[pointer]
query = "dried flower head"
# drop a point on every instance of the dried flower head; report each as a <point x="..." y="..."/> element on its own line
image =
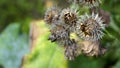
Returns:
<point x="92" y="48"/>
<point x="59" y="35"/>
<point x="104" y="14"/>
<point x="52" y="15"/>
<point x="69" y="18"/>
<point x="90" y="27"/>
<point x="89" y="3"/>
<point x="71" y="49"/>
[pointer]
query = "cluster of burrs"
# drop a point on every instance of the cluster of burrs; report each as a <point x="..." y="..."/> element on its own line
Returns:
<point x="88" y="28"/>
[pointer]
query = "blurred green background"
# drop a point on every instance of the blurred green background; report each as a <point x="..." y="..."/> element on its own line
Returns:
<point x="24" y="44"/>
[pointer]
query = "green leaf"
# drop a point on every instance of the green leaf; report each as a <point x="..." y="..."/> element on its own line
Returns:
<point x="45" y="53"/>
<point x="12" y="46"/>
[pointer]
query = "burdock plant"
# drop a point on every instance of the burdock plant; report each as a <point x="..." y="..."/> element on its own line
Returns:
<point x="87" y="27"/>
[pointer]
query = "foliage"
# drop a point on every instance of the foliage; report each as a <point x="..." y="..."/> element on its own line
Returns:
<point x="45" y="54"/>
<point x="12" y="46"/>
<point x="19" y="10"/>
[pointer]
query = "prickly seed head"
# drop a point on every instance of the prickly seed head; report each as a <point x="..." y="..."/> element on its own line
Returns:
<point x="59" y="35"/>
<point x="92" y="48"/>
<point x="69" y="19"/>
<point x="90" y="27"/>
<point x="52" y="15"/>
<point x="71" y="50"/>
<point x="88" y="3"/>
